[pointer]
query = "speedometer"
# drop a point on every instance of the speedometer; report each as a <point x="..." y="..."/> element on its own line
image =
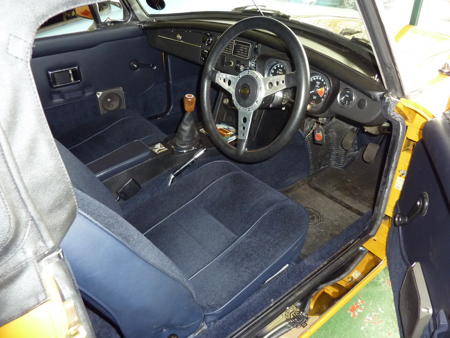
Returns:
<point x="319" y="87"/>
<point x="277" y="69"/>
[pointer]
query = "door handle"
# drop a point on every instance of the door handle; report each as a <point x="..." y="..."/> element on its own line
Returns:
<point x="419" y="208"/>
<point x="65" y="76"/>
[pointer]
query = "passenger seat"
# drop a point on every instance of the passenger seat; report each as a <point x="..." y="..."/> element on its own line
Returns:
<point x="109" y="133"/>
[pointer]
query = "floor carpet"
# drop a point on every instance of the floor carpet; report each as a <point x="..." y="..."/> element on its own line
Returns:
<point x="334" y="199"/>
<point x="327" y="218"/>
<point x="102" y="328"/>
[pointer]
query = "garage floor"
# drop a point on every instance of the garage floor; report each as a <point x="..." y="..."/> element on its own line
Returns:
<point x="370" y="313"/>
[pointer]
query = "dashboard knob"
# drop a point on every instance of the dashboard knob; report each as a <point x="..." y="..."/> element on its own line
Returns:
<point x="207" y="39"/>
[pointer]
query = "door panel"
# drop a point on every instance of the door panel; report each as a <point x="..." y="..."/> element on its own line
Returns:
<point x="426" y="238"/>
<point x="103" y="58"/>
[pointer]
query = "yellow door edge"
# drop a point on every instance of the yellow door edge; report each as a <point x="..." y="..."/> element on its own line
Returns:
<point x="415" y="117"/>
<point x="344" y="300"/>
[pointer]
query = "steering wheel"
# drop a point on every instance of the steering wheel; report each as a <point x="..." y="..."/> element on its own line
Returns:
<point x="249" y="88"/>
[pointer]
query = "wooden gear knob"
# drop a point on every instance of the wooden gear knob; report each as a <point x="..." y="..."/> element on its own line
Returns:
<point x="189" y="103"/>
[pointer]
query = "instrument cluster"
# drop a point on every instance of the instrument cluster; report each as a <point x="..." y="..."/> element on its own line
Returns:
<point x="321" y="87"/>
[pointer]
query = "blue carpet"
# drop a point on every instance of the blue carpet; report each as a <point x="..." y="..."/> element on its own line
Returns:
<point x="285" y="168"/>
<point x="290" y="165"/>
<point x="102" y="328"/>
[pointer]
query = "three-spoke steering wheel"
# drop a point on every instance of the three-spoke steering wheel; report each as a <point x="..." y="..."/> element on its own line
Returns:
<point x="249" y="88"/>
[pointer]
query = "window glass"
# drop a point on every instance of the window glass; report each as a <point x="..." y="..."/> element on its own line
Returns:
<point x="339" y="16"/>
<point x="72" y="21"/>
<point x="420" y="39"/>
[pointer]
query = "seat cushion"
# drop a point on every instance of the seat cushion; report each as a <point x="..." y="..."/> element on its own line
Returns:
<point x="225" y="230"/>
<point x="109" y="133"/>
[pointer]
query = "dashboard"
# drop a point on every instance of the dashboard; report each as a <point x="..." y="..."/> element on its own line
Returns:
<point x="335" y="89"/>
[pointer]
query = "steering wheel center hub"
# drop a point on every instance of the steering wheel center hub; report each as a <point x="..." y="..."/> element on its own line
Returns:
<point x="249" y="90"/>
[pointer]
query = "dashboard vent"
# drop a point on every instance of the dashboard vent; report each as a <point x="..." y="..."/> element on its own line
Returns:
<point x="229" y="48"/>
<point x="238" y="48"/>
<point x="242" y="49"/>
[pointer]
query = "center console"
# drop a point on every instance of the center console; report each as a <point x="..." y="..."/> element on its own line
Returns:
<point x="126" y="169"/>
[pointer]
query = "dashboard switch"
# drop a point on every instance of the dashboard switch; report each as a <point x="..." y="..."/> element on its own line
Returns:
<point x="204" y="55"/>
<point x="319" y="135"/>
<point x="229" y="63"/>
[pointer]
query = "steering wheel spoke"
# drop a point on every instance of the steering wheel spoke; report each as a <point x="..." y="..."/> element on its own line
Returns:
<point x="241" y="146"/>
<point x="273" y="84"/>
<point x="224" y="80"/>
<point x="245" y="117"/>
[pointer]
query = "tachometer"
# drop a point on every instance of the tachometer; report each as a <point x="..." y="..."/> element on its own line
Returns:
<point x="319" y="87"/>
<point x="277" y="69"/>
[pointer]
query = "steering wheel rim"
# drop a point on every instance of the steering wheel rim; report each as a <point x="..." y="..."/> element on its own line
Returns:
<point x="264" y="86"/>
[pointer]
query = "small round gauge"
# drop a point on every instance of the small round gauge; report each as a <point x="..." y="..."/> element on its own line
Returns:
<point x="346" y="97"/>
<point x="277" y="69"/>
<point x="319" y="87"/>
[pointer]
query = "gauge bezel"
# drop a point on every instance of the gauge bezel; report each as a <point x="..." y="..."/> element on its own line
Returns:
<point x="270" y="63"/>
<point x="281" y="65"/>
<point x="352" y="102"/>
<point x="327" y="81"/>
<point x="317" y="110"/>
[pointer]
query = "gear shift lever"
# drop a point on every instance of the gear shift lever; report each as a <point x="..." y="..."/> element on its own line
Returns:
<point x="189" y="101"/>
<point x="187" y="137"/>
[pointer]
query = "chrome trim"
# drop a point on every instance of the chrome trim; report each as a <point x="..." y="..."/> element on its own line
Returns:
<point x="179" y="41"/>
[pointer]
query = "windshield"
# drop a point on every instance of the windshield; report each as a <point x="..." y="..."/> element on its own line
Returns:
<point x="420" y="41"/>
<point x="339" y="16"/>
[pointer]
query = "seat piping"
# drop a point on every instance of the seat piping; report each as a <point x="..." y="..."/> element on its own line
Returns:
<point x="100" y="131"/>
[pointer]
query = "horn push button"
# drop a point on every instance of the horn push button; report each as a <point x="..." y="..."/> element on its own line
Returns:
<point x="246" y="91"/>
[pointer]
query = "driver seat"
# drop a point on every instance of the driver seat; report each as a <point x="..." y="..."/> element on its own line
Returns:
<point x="173" y="258"/>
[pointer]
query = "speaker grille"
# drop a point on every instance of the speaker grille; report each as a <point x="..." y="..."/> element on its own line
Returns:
<point x="111" y="100"/>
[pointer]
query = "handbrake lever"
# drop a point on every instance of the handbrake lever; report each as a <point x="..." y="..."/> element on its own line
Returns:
<point x="184" y="166"/>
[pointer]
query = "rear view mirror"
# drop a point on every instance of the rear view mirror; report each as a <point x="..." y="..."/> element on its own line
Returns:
<point x="84" y="12"/>
<point x="116" y="3"/>
<point x="156" y="4"/>
<point x="102" y="12"/>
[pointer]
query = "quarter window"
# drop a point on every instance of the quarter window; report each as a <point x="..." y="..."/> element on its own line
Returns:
<point x="84" y="18"/>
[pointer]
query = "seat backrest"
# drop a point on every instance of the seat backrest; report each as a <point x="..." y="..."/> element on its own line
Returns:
<point x="119" y="271"/>
<point x="84" y="180"/>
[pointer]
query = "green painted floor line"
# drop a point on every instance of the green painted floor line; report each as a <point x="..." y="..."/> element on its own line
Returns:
<point x="371" y="313"/>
